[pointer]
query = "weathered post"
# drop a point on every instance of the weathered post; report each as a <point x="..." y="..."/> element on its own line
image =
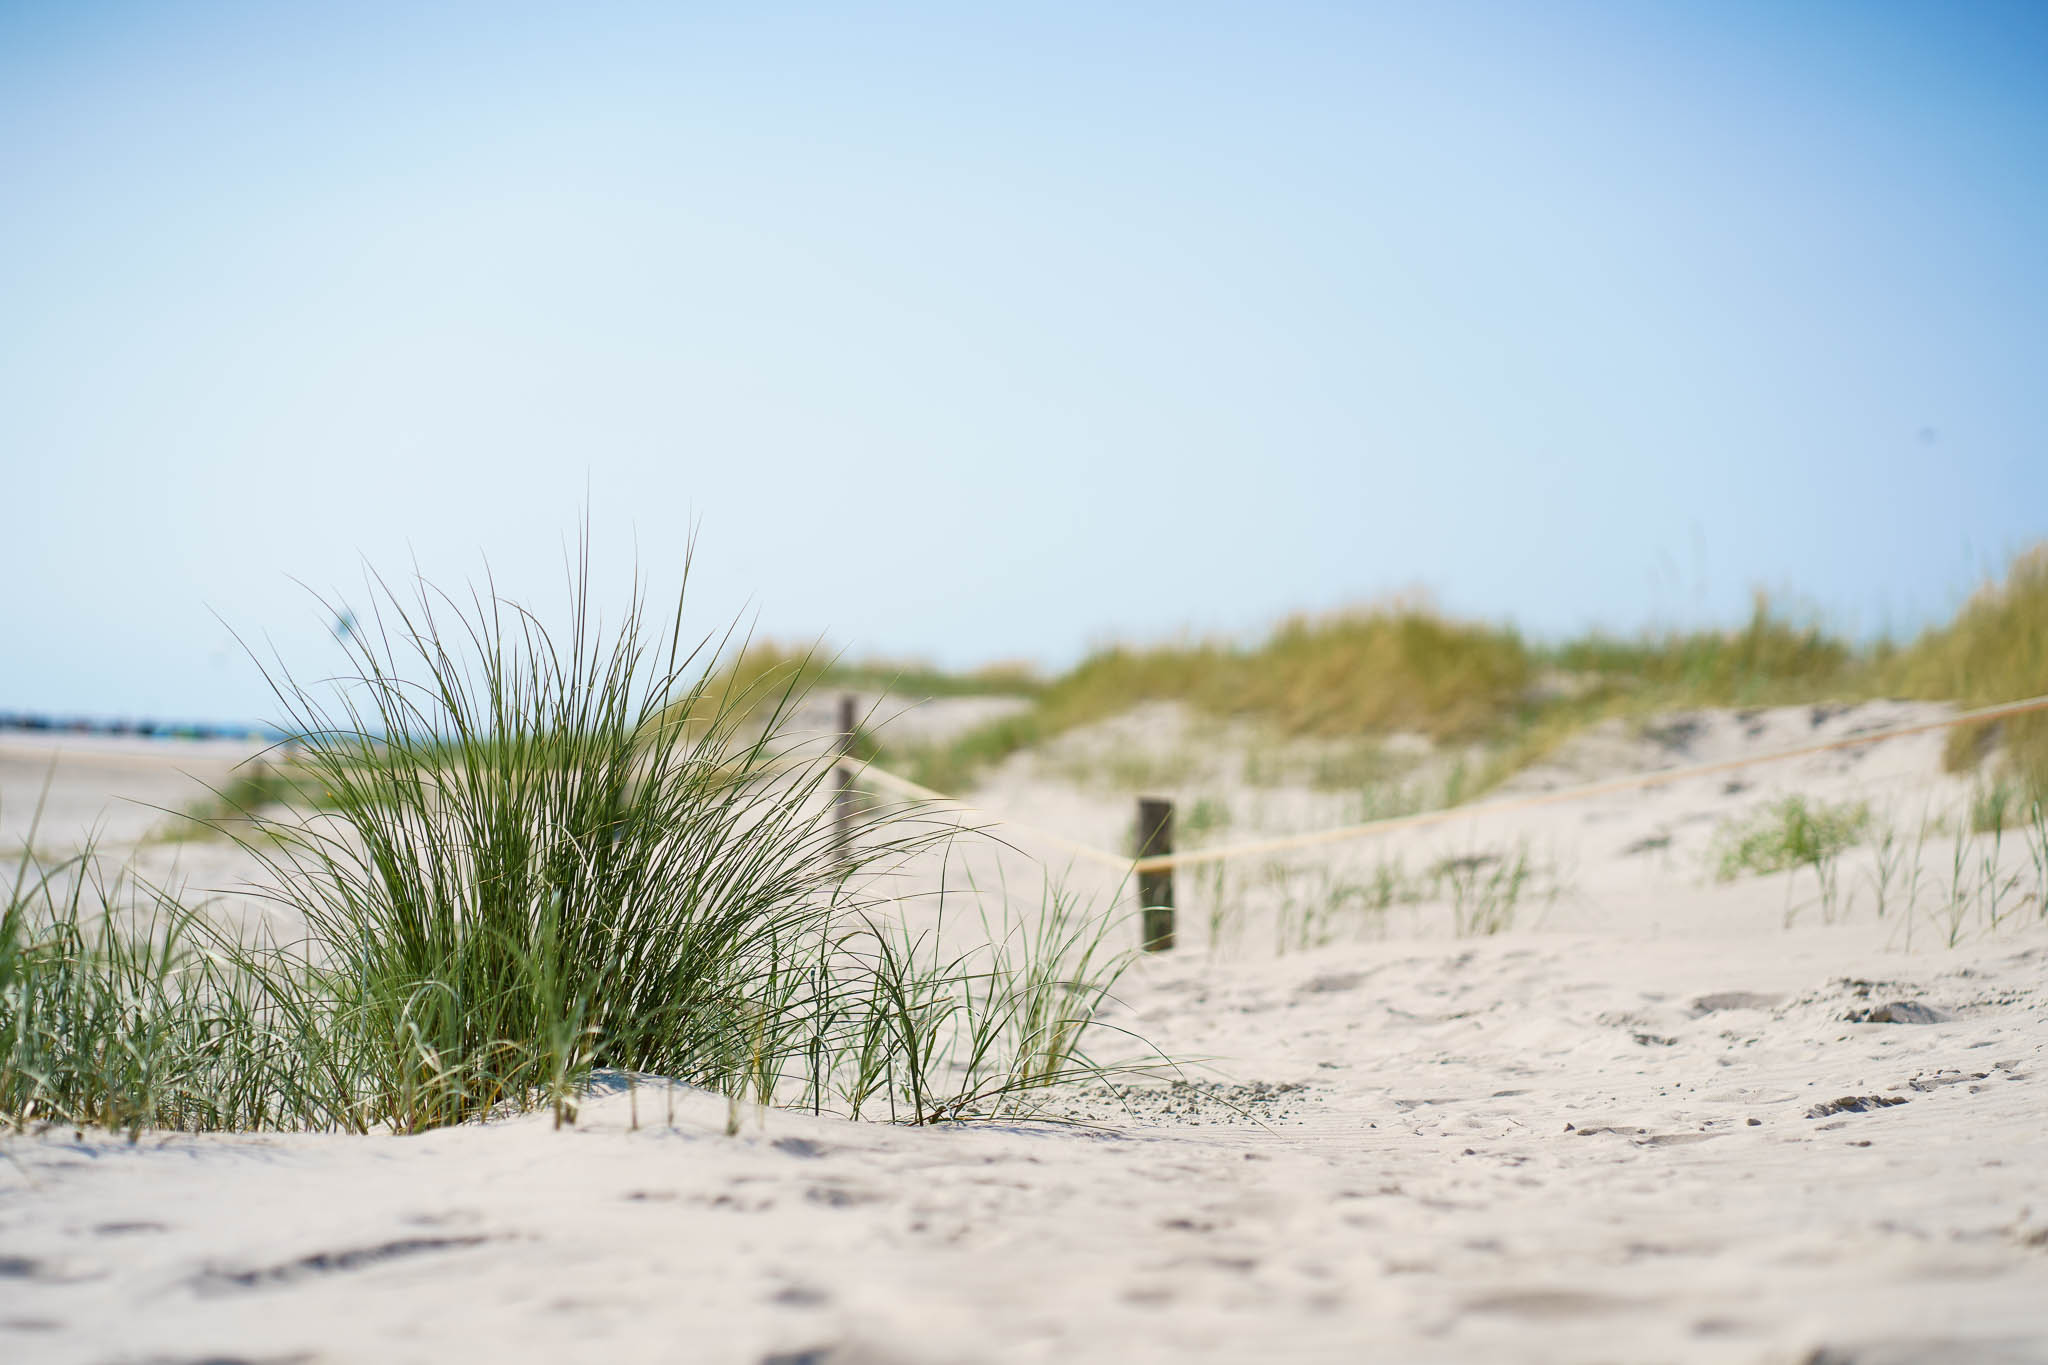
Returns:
<point x="1155" y="889"/>
<point x="842" y="795"/>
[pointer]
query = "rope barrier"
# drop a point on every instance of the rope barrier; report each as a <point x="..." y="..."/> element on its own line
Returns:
<point x="912" y="789"/>
<point x="1342" y="834"/>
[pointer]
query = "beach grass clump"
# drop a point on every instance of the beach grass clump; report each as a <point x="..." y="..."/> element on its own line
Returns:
<point x="1400" y="666"/>
<point x="946" y="1037"/>
<point x="1994" y="650"/>
<point x="1795" y="834"/>
<point x="526" y="868"/>
<point x="1999" y="804"/>
<point x="1487" y="889"/>
<point x="1790" y="833"/>
<point x="1771" y="658"/>
<point x="521" y="867"/>
<point x="110" y="1017"/>
<point x="1403" y="667"/>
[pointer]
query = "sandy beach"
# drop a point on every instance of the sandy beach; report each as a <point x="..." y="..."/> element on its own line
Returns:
<point x="879" y="684"/>
<point x="1647" y="1121"/>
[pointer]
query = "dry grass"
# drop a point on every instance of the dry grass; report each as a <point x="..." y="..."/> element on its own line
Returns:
<point x="1404" y="666"/>
<point x="1400" y="667"/>
<point x="1771" y="659"/>
<point x="763" y="668"/>
<point x="1996" y="649"/>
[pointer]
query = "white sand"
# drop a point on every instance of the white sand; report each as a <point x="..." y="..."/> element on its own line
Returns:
<point x="1585" y="1139"/>
<point x="121" y="788"/>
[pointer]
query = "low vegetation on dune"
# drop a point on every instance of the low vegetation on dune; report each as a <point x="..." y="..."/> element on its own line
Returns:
<point x="1772" y="658"/>
<point x="1789" y="833"/>
<point x="761" y="667"/>
<point x="1405" y="667"/>
<point x="504" y="867"/>
<point x="1996" y="649"/>
<point x="1972" y="869"/>
<point x="1398" y="668"/>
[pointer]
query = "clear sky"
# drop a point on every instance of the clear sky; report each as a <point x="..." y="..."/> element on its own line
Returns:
<point x="978" y="332"/>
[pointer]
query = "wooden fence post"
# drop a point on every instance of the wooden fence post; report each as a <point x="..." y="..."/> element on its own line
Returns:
<point x="1155" y="889"/>
<point x="842" y="795"/>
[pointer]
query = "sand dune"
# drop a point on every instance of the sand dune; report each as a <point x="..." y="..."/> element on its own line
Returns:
<point x="1646" y="1122"/>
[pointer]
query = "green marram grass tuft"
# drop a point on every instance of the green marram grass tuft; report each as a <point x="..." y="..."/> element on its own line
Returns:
<point x="1787" y="834"/>
<point x="507" y="859"/>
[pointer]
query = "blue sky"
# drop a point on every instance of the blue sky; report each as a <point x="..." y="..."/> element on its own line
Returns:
<point x="992" y="332"/>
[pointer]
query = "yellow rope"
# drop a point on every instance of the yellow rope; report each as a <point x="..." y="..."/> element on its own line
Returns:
<point x="1167" y="861"/>
<point x="1162" y="862"/>
<point x="912" y="789"/>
